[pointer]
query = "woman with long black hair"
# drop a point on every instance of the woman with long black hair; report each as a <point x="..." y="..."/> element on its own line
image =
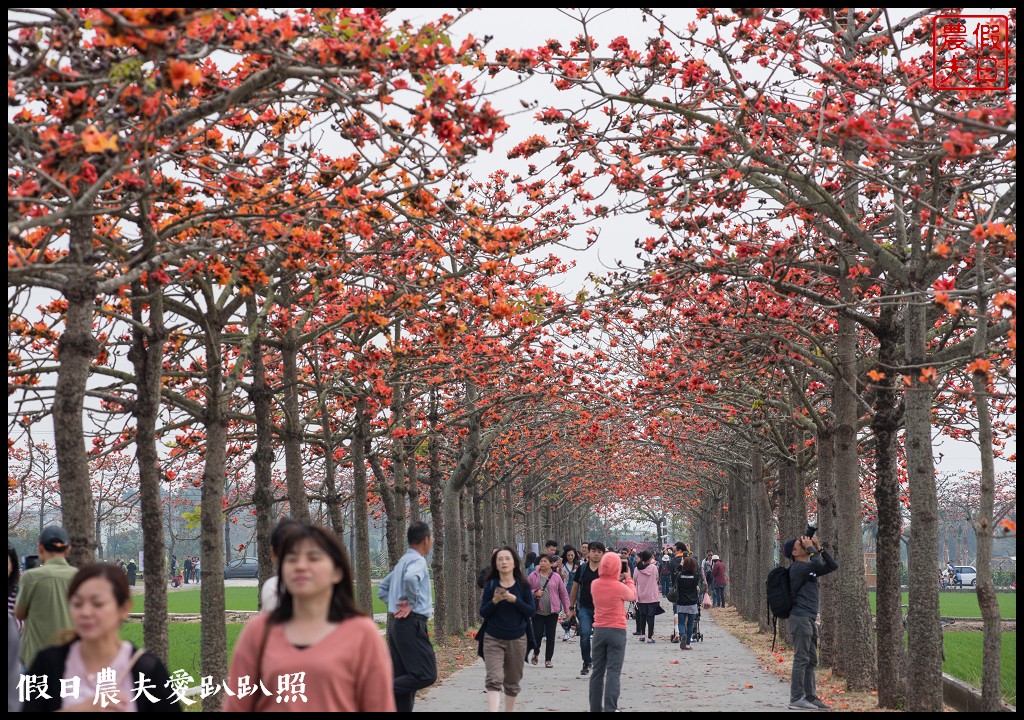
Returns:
<point x="506" y="634"/>
<point x="317" y="634"/>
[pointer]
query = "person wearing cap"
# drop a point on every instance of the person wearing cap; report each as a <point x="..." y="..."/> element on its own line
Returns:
<point x="42" y="600"/>
<point x="809" y="563"/>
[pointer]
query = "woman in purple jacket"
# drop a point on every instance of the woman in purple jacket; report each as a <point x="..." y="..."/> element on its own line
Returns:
<point x="550" y="597"/>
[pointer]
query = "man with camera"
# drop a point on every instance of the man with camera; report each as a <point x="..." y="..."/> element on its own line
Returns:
<point x="809" y="563"/>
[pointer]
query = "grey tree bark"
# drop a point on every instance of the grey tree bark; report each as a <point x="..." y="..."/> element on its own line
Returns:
<point x="885" y="425"/>
<point x="985" y="522"/>
<point x="76" y="349"/>
<point x="214" y="642"/>
<point x="858" y="657"/>
<point x="298" y="504"/>
<point x="924" y="676"/>
<point x="261" y="396"/>
<point x="146" y="355"/>
<point x="360" y="512"/>
<point x="830" y="645"/>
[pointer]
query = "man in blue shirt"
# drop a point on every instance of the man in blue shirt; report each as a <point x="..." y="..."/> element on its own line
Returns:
<point x="410" y="604"/>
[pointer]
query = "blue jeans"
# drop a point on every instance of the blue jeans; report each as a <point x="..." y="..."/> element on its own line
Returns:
<point x="686" y="624"/>
<point x="666" y="584"/>
<point x="719" y="596"/>
<point x="586" y="618"/>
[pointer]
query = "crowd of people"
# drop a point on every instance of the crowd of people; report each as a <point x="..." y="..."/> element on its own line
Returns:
<point x="312" y="639"/>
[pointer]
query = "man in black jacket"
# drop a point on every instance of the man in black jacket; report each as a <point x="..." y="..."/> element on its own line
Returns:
<point x="809" y="563"/>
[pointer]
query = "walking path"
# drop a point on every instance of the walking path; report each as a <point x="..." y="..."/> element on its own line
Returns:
<point x="719" y="674"/>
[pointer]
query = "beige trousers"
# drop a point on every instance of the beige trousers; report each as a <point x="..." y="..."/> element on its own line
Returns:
<point x="504" y="662"/>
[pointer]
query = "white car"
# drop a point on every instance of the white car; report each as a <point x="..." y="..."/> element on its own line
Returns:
<point x="964" y="575"/>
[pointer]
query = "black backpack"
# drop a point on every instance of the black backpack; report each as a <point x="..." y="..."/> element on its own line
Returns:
<point x="781" y="597"/>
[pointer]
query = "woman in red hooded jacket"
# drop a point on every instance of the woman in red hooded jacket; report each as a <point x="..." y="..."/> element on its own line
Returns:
<point x="610" y="590"/>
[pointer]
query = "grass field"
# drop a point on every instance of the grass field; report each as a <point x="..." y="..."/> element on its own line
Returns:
<point x="963" y="660"/>
<point x="183" y="643"/>
<point x="235" y="598"/>
<point x="965" y="604"/>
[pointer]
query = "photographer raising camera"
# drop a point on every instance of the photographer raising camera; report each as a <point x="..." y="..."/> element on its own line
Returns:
<point x="809" y="563"/>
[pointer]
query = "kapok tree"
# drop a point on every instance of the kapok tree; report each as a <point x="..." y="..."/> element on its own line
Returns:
<point x="858" y="151"/>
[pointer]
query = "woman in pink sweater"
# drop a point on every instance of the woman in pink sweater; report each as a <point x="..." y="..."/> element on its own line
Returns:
<point x="610" y="590"/>
<point x="317" y="652"/>
<point x="648" y="594"/>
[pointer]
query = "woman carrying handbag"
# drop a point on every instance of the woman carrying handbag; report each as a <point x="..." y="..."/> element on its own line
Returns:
<point x="506" y="633"/>
<point x="551" y="598"/>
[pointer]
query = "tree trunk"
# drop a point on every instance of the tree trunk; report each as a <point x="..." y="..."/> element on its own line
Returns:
<point x="470" y="603"/>
<point x="330" y="470"/>
<point x="263" y="456"/>
<point x="213" y="645"/>
<point x="412" y="477"/>
<point x="453" y="523"/>
<point x="394" y="509"/>
<point x="441" y="586"/>
<point x="75" y="352"/>
<point x="765" y="538"/>
<point x="830" y="640"/>
<point x="885" y="425"/>
<point x="737" y="524"/>
<point x="146" y="356"/>
<point x="393" y="496"/>
<point x="924" y="678"/>
<point x="298" y="505"/>
<point x="984" y="524"/>
<point x="858" y="656"/>
<point x="510" y="514"/>
<point x="360" y="512"/>
<point x="792" y="501"/>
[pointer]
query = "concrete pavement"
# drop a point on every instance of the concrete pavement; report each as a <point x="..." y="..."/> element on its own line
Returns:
<point x="718" y="674"/>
